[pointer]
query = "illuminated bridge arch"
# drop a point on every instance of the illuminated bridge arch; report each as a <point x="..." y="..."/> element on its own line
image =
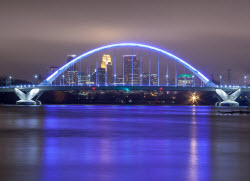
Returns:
<point x="56" y="74"/>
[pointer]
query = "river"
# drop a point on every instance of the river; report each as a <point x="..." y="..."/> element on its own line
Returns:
<point x="119" y="142"/>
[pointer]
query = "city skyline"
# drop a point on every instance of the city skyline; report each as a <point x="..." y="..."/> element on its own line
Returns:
<point x="78" y="75"/>
<point x="71" y="75"/>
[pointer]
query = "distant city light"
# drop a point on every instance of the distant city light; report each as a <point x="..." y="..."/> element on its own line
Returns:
<point x="73" y="55"/>
<point x="126" y="89"/>
<point x="194" y="98"/>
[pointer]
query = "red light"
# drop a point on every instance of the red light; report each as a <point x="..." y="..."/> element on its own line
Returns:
<point x="161" y="89"/>
<point x="93" y="88"/>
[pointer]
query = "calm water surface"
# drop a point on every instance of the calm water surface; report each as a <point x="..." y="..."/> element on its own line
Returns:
<point x="105" y="142"/>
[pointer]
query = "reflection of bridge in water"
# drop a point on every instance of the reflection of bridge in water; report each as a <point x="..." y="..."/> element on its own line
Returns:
<point x="132" y="76"/>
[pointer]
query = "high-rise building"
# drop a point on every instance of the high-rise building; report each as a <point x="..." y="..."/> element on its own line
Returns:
<point x="100" y="76"/>
<point x="106" y="59"/>
<point x="72" y="77"/>
<point x="153" y="79"/>
<point x="72" y="73"/>
<point x="107" y="65"/>
<point x="119" y="80"/>
<point x="131" y="69"/>
<point x="82" y="78"/>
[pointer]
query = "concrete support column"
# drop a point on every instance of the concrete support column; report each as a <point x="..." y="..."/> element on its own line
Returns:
<point x="228" y="100"/>
<point x="26" y="99"/>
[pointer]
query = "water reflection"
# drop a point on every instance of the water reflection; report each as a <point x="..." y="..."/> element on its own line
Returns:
<point x="193" y="162"/>
<point x="107" y="143"/>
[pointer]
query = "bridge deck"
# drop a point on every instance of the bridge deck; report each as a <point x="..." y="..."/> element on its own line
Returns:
<point x="125" y="88"/>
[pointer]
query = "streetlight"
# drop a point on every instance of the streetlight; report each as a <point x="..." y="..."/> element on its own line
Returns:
<point x="63" y="78"/>
<point x="245" y="80"/>
<point x="194" y="98"/>
<point x="220" y="79"/>
<point x="193" y="80"/>
<point x="36" y="79"/>
<point x="10" y="80"/>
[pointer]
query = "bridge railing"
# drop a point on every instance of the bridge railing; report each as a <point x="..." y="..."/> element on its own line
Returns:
<point x="127" y="85"/>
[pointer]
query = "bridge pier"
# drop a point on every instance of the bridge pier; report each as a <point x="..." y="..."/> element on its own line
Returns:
<point x="228" y="100"/>
<point x="26" y="99"/>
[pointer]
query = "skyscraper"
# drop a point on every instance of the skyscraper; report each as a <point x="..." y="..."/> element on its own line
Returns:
<point x="131" y="70"/>
<point x="72" y="73"/>
<point x="119" y="80"/>
<point x="100" y="76"/>
<point x="153" y="79"/>
<point x="107" y="65"/>
<point x="82" y="78"/>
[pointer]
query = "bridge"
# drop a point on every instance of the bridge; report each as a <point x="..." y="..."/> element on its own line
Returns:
<point x="132" y="76"/>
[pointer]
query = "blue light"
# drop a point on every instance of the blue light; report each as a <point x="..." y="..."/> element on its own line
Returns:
<point x="52" y="77"/>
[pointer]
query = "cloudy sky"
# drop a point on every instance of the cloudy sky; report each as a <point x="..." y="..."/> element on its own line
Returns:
<point x="212" y="35"/>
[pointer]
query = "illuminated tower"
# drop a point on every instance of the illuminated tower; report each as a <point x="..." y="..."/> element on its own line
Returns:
<point x="107" y="65"/>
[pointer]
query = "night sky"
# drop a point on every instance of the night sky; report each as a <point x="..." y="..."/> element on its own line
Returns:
<point x="212" y="35"/>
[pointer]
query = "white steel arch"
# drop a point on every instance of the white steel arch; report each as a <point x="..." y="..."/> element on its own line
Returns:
<point x="52" y="77"/>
